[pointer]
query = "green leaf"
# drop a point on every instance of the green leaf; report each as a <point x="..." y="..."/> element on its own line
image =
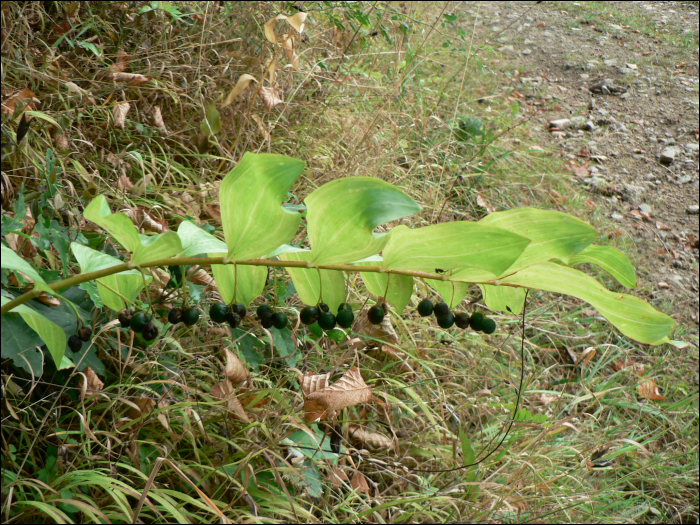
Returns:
<point x="251" y="204"/>
<point x="313" y="446"/>
<point x="497" y="298"/>
<point x="632" y="316"/>
<point x="196" y="241"/>
<point x="452" y="292"/>
<point x="113" y="289"/>
<point x="307" y="283"/>
<point x="21" y="344"/>
<point x="251" y="281"/>
<point x="11" y="261"/>
<point x="342" y="215"/>
<point x="452" y="245"/>
<point x="211" y="124"/>
<point x="468" y="455"/>
<point x="144" y="248"/>
<point x="52" y="334"/>
<point x="554" y="235"/>
<point x="400" y="286"/>
<point x="609" y="259"/>
<point x="284" y="345"/>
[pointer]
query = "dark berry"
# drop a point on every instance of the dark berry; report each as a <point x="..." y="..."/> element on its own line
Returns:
<point x="175" y="315"/>
<point x="75" y="343"/>
<point x="239" y="309"/>
<point x="375" y="314"/>
<point x="190" y="316"/>
<point x="345" y="318"/>
<point x="262" y="310"/>
<point x="268" y="320"/>
<point x="326" y="320"/>
<point x="489" y="326"/>
<point x="233" y="319"/>
<point x="425" y="307"/>
<point x="149" y="332"/>
<point x="441" y="309"/>
<point x="477" y="321"/>
<point x="462" y="320"/>
<point x="344" y="306"/>
<point x="138" y="321"/>
<point x="217" y="312"/>
<point x="446" y="321"/>
<point x="85" y="333"/>
<point x="280" y="320"/>
<point x="308" y="315"/>
<point x="125" y="316"/>
<point x="323" y="307"/>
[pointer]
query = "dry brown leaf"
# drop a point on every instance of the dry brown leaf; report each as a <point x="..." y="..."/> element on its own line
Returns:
<point x="134" y="79"/>
<point x="337" y="476"/>
<point x="401" y="357"/>
<point x="122" y="62"/>
<point x="235" y="370"/>
<point x="288" y="45"/>
<point x="349" y="390"/>
<point x="48" y="300"/>
<point x="61" y="142"/>
<point x="124" y="183"/>
<point x="313" y="382"/>
<point x="261" y="126"/>
<point x="24" y="96"/>
<point x="649" y="390"/>
<point x="384" y="331"/>
<point x="270" y="97"/>
<point x="637" y="368"/>
<point x="359" y="437"/>
<point x="120" y="110"/>
<point x="482" y="202"/>
<point x="224" y="390"/>
<point x="243" y="82"/>
<point x="212" y="211"/>
<point x="202" y="278"/>
<point x="543" y="399"/>
<point x="143" y="219"/>
<point x="586" y="356"/>
<point x="270" y="28"/>
<point x="93" y="382"/>
<point x="359" y="482"/>
<point x="158" y="120"/>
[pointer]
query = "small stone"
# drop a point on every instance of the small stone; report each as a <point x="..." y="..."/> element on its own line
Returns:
<point x="645" y="208"/>
<point x="668" y="154"/>
<point x="615" y="27"/>
<point x="617" y="216"/>
<point x="693" y="209"/>
<point x="685" y="179"/>
<point x="528" y="42"/>
<point x="631" y="66"/>
<point x="526" y="51"/>
<point x="649" y="176"/>
<point x="610" y="62"/>
<point x="693" y="146"/>
<point x="506" y="49"/>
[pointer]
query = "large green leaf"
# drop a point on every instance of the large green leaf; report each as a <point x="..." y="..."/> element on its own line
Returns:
<point x="251" y="197"/>
<point x="113" y="289"/>
<point x="554" y="235"/>
<point x="245" y="282"/>
<point x="52" y="334"/>
<point x="306" y="281"/>
<point x="632" y="316"/>
<point x="144" y="248"/>
<point x="609" y="259"/>
<point x="400" y="286"/>
<point x="452" y="245"/>
<point x="11" y="261"/>
<point x="342" y="215"/>
<point x="500" y="298"/>
<point x="452" y="292"/>
<point x="196" y="241"/>
<point x="211" y="124"/>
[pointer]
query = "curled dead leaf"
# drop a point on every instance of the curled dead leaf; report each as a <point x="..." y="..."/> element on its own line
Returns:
<point x="143" y="219"/>
<point x="134" y="79"/>
<point x="235" y="370"/>
<point x="359" y="482"/>
<point x="119" y="111"/>
<point x="313" y="382"/>
<point x="122" y="62"/>
<point x="202" y="278"/>
<point x="243" y="82"/>
<point x="649" y="390"/>
<point x="25" y="97"/>
<point x="158" y="120"/>
<point x="359" y="438"/>
<point x="224" y="390"/>
<point x="349" y="390"/>
<point x="270" y="97"/>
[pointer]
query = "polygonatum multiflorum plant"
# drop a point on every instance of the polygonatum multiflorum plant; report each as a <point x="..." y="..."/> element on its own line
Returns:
<point x="505" y="253"/>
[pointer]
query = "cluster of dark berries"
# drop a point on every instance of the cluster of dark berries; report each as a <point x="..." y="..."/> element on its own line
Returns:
<point x="376" y="314"/>
<point x="75" y="341"/>
<point x="186" y="316"/>
<point x="269" y="318"/>
<point x="233" y="315"/>
<point x="326" y="320"/>
<point x="140" y="323"/>
<point x="445" y="318"/>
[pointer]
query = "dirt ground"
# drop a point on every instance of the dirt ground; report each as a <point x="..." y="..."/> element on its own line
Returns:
<point x="624" y="78"/>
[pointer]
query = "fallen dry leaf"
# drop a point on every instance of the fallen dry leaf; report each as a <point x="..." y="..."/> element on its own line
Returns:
<point x="120" y="110"/>
<point x="224" y="390"/>
<point x="235" y="370"/>
<point x="270" y="97"/>
<point x="359" y="437"/>
<point x="349" y="390"/>
<point x="649" y="390"/>
<point x="134" y="79"/>
<point x="158" y="120"/>
<point x="359" y="482"/>
<point x="143" y="219"/>
<point x="243" y="82"/>
<point x="384" y="331"/>
<point x="122" y="62"/>
<point x="313" y="382"/>
<point x="24" y="96"/>
<point x="483" y="203"/>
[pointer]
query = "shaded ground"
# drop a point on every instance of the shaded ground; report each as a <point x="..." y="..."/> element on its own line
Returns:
<point x="645" y="55"/>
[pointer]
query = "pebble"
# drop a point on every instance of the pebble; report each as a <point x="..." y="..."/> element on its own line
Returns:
<point x="526" y="52"/>
<point x="668" y="154"/>
<point x="693" y="146"/>
<point x="645" y="208"/>
<point x="693" y="209"/>
<point x="617" y="216"/>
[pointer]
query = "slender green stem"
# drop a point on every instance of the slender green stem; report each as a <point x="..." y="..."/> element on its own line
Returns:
<point x="208" y="261"/>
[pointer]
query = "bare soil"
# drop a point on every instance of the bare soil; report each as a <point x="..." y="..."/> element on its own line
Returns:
<point x="629" y="72"/>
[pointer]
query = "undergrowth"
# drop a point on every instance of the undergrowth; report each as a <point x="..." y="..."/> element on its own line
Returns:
<point x="411" y="93"/>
